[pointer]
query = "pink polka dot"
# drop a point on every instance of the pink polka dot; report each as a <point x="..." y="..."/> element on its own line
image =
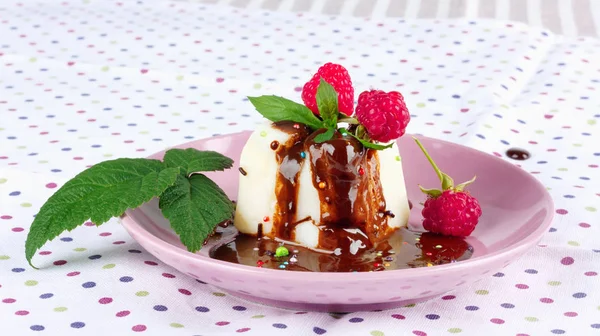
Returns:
<point x="567" y="261"/>
<point x="51" y="185"/>
<point x="105" y="234"/>
<point x="151" y="263"/>
<point x="571" y="314"/>
<point x="5" y="217"/>
<point x="546" y="300"/>
<point x="561" y="211"/>
<point x="222" y="323"/>
<point x="118" y="242"/>
<point x="522" y="335"/>
<point x="448" y="297"/>
<point x="105" y="300"/>
<point x="73" y="274"/>
<point x="497" y="321"/>
<point x="89" y="224"/>
<point x="584" y="225"/>
<point x="45" y="252"/>
<point x="78" y="158"/>
<point x="9" y="300"/>
<point x="17" y="229"/>
<point x="521" y="286"/>
<point x="590" y="273"/>
<point x="59" y="262"/>
<point x="398" y="316"/>
<point x="168" y="275"/>
<point x="419" y="333"/>
<point x="184" y="291"/>
<point x="242" y="330"/>
<point x="138" y="328"/>
<point x="21" y="312"/>
<point x="122" y="313"/>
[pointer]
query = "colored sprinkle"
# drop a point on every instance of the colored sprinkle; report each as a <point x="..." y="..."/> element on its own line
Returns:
<point x="296" y="126"/>
<point x="387" y="265"/>
<point x="260" y="263"/>
<point x="263" y="134"/>
<point x="266" y="219"/>
<point x="256" y="249"/>
<point x="285" y="263"/>
<point x="303" y="155"/>
<point x="296" y="251"/>
<point x="293" y="259"/>
<point x="361" y="171"/>
<point x="429" y="264"/>
<point x="281" y="251"/>
<point x="428" y="253"/>
<point x="322" y="185"/>
<point x="388" y="258"/>
<point x="281" y="266"/>
<point x="438" y="246"/>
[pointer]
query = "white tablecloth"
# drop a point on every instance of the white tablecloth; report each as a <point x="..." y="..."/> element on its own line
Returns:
<point x="86" y="81"/>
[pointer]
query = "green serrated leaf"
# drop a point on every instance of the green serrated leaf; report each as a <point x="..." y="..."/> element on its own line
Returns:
<point x="277" y="109"/>
<point x="327" y="102"/>
<point x="325" y="136"/>
<point x="192" y="160"/>
<point x="194" y="206"/>
<point x="431" y="192"/>
<point x="99" y="193"/>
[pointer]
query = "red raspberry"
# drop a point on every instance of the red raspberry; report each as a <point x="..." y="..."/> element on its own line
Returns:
<point x="450" y="211"/>
<point x="384" y="115"/>
<point x="338" y="77"/>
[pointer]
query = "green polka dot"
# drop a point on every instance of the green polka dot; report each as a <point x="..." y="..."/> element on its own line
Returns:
<point x="577" y="145"/>
<point x="591" y="122"/>
<point x="455" y="123"/>
<point x="33" y="60"/>
<point x="176" y="114"/>
<point x="60" y="124"/>
<point x="82" y="137"/>
<point x="482" y="292"/>
<point x="109" y="266"/>
<point x="539" y="132"/>
<point x="144" y="132"/>
<point x="218" y="294"/>
<point x="21" y="147"/>
<point x="176" y="325"/>
<point x="263" y="133"/>
<point x="105" y="68"/>
<point x="142" y="293"/>
<point x="562" y="169"/>
<point x="437" y="87"/>
<point x="573" y="243"/>
<point x="590" y="209"/>
<point x="377" y="333"/>
<point x="454" y="330"/>
<point x="26" y="205"/>
<point x="487" y="126"/>
<point x="79" y="249"/>
<point x="472" y="102"/>
<point x="258" y="316"/>
<point x="420" y="104"/>
<point x="4" y="257"/>
<point x="107" y="155"/>
<point x="554" y="283"/>
<point x="410" y="305"/>
<point x="257" y="86"/>
<point x="39" y="108"/>
<point x="60" y="309"/>
<point x="3" y="180"/>
<point x="531" y="319"/>
<point x="398" y="158"/>
<point x="180" y="77"/>
<point x="31" y="283"/>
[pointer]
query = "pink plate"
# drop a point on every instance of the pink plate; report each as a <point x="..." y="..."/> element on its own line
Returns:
<point x="517" y="211"/>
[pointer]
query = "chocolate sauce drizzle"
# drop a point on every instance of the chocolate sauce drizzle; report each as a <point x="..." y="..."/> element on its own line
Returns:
<point x="353" y="213"/>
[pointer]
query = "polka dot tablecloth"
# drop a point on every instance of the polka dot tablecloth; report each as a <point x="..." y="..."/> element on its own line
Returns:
<point x="85" y="81"/>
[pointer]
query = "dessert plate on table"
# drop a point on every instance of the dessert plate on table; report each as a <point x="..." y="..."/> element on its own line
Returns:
<point x="517" y="211"/>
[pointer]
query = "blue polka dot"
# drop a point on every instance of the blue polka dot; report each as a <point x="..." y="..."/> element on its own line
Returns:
<point x="66" y="239"/>
<point x="507" y="305"/>
<point x="66" y="149"/>
<point x="579" y="295"/>
<point x="472" y="308"/>
<point x="279" y="325"/>
<point x="552" y="229"/>
<point x="89" y="284"/>
<point x="94" y="257"/>
<point x="18" y="270"/>
<point x="202" y="309"/>
<point x="499" y="274"/>
<point x="569" y="196"/>
<point x="77" y="325"/>
<point x="558" y="331"/>
<point x="239" y="308"/>
<point x="134" y="251"/>
<point x="319" y="331"/>
<point x="433" y="316"/>
<point x="531" y="271"/>
<point x="126" y="279"/>
<point x="37" y="327"/>
<point x="356" y="320"/>
<point x="46" y="296"/>
<point x="595" y="326"/>
<point x="15" y="193"/>
<point x="160" y="308"/>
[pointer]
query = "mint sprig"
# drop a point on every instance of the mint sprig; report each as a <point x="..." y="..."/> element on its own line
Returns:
<point x="327" y="102"/>
<point x="109" y="188"/>
<point x="277" y="109"/>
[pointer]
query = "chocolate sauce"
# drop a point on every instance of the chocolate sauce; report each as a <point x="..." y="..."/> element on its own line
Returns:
<point x="403" y="249"/>
<point x="518" y="154"/>
<point x="353" y="214"/>
<point x="290" y="158"/>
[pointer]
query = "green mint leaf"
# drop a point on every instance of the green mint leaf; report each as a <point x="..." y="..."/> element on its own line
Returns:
<point x="194" y="206"/>
<point x="277" y="109"/>
<point x="99" y="193"/>
<point x="327" y="102"/>
<point x="192" y="160"/>
<point x="325" y="136"/>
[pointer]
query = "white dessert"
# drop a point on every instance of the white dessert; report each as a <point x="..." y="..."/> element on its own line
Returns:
<point x="261" y="164"/>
